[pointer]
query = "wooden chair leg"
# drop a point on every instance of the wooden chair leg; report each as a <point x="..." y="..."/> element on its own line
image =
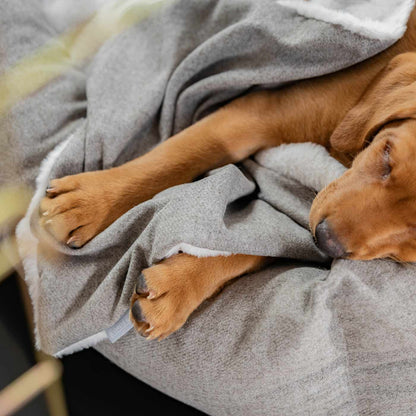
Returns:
<point x="40" y="377"/>
<point x="54" y="393"/>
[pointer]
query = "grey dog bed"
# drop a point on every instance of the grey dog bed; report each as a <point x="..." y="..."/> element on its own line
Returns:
<point x="300" y="337"/>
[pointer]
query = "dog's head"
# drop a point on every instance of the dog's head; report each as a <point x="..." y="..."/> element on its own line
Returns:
<point x="370" y="211"/>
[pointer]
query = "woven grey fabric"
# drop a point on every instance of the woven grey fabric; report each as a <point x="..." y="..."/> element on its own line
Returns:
<point x="294" y="339"/>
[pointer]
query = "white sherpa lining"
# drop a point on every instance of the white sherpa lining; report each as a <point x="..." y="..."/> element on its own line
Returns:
<point x="83" y="344"/>
<point x="27" y="246"/>
<point x="27" y="242"/>
<point x="195" y="251"/>
<point x="290" y="159"/>
<point x="392" y="28"/>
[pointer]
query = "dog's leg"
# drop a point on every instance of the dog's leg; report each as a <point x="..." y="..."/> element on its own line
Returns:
<point x="78" y="207"/>
<point x="174" y="288"/>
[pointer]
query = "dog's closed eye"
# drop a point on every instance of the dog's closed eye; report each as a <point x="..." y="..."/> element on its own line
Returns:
<point x="386" y="169"/>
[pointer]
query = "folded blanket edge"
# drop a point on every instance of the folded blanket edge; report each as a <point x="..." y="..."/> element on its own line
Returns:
<point x="388" y="31"/>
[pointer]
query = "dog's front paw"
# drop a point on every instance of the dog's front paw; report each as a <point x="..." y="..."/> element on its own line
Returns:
<point x="170" y="292"/>
<point x="76" y="208"/>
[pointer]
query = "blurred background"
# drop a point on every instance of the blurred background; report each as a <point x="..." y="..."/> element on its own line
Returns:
<point x="32" y="383"/>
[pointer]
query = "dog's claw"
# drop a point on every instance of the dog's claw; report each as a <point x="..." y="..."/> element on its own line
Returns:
<point x="141" y="289"/>
<point x="142" y="328"/>
<point x="73" y="243"/>
<point x="150" y="329"/>
<point x="151" y="294"/>
<point x="141" y="293"/>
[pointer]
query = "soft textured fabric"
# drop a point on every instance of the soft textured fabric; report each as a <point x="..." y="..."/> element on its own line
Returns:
<point x="297" y="338"/>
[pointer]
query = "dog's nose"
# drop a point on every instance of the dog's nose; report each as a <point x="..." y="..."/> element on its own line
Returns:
<point x="327" y="241"/>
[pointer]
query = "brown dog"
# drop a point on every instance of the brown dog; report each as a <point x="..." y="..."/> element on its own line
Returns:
<point x="369" y="212"/>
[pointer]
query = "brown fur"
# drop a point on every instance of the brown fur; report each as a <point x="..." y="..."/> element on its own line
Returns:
<point x="371" y="210"/>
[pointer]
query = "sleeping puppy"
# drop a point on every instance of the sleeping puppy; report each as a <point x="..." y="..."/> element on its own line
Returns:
<point x="365" y="115"/>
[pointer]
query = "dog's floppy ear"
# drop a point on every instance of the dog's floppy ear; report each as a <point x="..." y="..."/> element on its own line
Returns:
<point x="391" y="96"/>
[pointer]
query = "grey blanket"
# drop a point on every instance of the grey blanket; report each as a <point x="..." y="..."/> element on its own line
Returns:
<point x="295" y="339"/>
